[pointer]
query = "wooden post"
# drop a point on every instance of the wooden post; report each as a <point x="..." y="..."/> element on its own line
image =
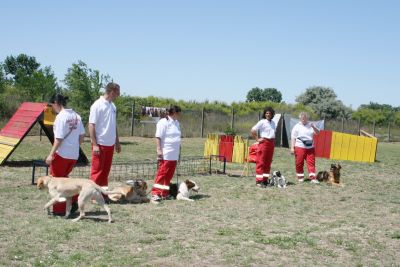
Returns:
<point x="373" y="128"/>
<point x="389" y="131"/>
<point x="233" y="119"/>
<point x="359" y="126"/>
<point x="342" y="124"/>
<point x="202" y="123"/>
<point x="133" y="118"/>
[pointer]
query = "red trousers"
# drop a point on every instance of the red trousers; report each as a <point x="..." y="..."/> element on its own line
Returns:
<point x="61" y="167"/>
<point x="166" y="170"/>
<point x="308" y="155"/>
<point x="264" y="159"/>
<point x="101" y="165"/>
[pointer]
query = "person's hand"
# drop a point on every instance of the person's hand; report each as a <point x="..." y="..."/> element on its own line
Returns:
<point x="96" y="150"/>
<point x="259" y="140"/>
<point x="49" y="159"/>
<point x="118" y="148"/>
<point x="292" y="151"/>
<point x="159" y="154"/>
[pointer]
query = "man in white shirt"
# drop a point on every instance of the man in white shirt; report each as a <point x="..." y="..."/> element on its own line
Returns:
<point x="104" y="134"/>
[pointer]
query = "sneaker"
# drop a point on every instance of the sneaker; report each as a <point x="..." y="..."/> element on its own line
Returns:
<point x="155" y="199"/>
<point x="314" y="181"/>
<point x="300" y="180"/>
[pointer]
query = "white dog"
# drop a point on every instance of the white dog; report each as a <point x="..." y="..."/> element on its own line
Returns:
<point x="278" y="180"/>
<point x="185" y="189"/>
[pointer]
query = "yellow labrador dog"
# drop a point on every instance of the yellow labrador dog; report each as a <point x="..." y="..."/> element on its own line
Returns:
<point x="68" y="187"/>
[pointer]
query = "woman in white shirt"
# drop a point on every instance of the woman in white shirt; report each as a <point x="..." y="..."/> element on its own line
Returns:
<point x="168" y="139"/>
<point x="266" y="145"/>
<point x="302" y="146"/>
<point x="68" y="136"/>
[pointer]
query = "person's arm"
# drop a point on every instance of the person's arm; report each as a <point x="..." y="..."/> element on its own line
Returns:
<point x="316" y="130"/>
<point x="293" y="142"/>
<point x="56" y="145"/>
<point x="159" y="149"/>
<point x="81" y="139"/>
<point x="93" y="140"/>
<point x="117" y="144"/>
<point x="254" y="132"/>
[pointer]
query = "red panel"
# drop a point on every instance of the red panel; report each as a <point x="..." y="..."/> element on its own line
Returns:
<point x="323" y="144"/>
<point x="226" y="147"/>
<point x="23" y="119"/>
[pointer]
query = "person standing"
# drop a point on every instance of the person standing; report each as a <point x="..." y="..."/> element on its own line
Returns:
<point x="168" y="140"/>
<point x="69" y="134"/>
<point x="302" y="146"/>
<point x="104" y="134"/>
<point x="266" y="144"/>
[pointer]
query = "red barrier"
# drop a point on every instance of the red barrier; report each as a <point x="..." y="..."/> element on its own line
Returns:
<point x="226" y="147"/>
<point x="322" y="144"/>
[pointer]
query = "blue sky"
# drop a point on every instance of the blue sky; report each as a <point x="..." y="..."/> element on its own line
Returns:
<point x="217" y="50"/>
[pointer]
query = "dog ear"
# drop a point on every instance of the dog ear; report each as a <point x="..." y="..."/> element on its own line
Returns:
<point x="189" y="184"/>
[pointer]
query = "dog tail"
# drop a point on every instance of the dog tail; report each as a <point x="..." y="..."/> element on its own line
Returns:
<point x="104" y="191"/>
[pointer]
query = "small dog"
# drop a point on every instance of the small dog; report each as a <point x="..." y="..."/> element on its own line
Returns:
<point x="277" y="180"/>
<point x="68" y="187"/>
<point x="331" y="177"/>
<point x="134" y="192"/>
<point x="184" y="191"/>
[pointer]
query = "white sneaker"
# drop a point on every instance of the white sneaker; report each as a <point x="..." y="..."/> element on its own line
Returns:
<point x="314" y="181"/>
<point x="300" y="180"/>
<point x="155" y="199"/>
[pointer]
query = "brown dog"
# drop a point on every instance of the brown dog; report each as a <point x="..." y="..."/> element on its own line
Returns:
<point x="68" y="187"/>
<point x="135" y="193"/>
<point x="331" y="177"/>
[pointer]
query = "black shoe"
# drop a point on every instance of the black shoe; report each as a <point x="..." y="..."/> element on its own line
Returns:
<point x="261" y="184"/>
<point x="74" y="207"/>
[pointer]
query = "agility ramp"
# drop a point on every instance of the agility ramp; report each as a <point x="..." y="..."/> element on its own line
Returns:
<point x="23" y="120"/>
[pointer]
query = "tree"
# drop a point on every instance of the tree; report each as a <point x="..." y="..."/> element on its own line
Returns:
<point x="324" y="103"/>
<point x="261" y="95"/>
<point x="20" y="66"/>
<point x="31" y="82"/>
<point x="83" y="86"/>
<point x="272" y="95"/>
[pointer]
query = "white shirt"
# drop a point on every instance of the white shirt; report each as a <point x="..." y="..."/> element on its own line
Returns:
<point x="103" y="114"/>
<point x="267" y="128"/>
<point x="169" y="132"/>
<point x="66" y="120"/>
<point x="304" y="132"/>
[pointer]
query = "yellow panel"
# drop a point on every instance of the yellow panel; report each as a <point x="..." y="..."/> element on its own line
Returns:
<point x="49" y="116"/>
<point x="8" y="140"/>
<point x="352" y="147"/>
<point x="336" y="145"/>
<point x="360" y="148"/>
<point x="367" y="149"/>
<point x="344" y="153"/>
<point x="372" y="156"/>
<point x="4" y="152"/>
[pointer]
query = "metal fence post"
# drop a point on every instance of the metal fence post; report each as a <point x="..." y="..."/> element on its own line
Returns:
<point x="202" y="122"/>
<point x="133" y="118"/>
<point x="342" y="124"/>
<point x="389" y="131"/>
<point x="373" y="128"/>
<point x="233" y="119"/>
<point x="359" y="126"/>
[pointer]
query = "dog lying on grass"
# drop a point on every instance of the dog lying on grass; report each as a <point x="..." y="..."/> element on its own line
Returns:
<point x="68" y="187"/>
<point x="134" y="192"/>
<point x="184" y="190"/>
<point x="277" y="180"/>
<point x="331" y="177"/>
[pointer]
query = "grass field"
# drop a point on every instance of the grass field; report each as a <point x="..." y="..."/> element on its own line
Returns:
<point x="231" y="223"/>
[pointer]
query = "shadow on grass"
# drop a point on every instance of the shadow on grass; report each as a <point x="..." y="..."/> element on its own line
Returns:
<point x="200" y="196"/>
<point x="129" y="143"/>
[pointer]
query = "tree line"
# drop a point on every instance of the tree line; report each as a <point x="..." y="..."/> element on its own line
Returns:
<point x="22" y="78"/>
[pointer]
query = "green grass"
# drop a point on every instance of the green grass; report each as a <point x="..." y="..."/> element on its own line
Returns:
<point x="231" y="223"/>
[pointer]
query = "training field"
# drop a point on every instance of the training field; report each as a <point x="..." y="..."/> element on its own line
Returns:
<point x="231" y="223"/>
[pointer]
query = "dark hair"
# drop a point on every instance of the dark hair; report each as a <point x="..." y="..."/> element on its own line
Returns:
<point x="111" y="87"/>
<point x="270" y="109"/>
<point x="174" y="109"/>
<point x="59" y="99"/>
